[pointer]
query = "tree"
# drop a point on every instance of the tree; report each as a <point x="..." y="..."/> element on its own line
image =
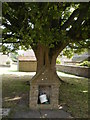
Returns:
<point x="48" y="28"/>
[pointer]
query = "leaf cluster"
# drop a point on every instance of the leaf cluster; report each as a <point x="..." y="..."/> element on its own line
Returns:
<point x="51" y="24"/>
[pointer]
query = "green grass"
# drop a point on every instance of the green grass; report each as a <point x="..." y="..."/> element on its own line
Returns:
<point x="13" y="71"/>
<point x="14" y="91"/>
<point x="73" y="94"/>
<point x="11" y="89"/>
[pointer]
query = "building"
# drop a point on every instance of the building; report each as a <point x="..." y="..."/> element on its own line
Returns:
<point x="4" y="59"/>
<point x="75" y="59"/>
<point x="27" y="61"/>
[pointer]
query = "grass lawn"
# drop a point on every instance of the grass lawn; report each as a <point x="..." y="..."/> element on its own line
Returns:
<point x="15" y="94"/>
<point x="73" y="94"/>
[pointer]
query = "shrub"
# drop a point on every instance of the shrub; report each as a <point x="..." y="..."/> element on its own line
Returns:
<point x="8" y="62"/>
<point x="58" y="61"/>
<point x="85" y="63"/>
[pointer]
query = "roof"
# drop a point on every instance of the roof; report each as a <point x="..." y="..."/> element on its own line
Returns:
<point x="27" y="56"/>
<point x="80" y="58"/>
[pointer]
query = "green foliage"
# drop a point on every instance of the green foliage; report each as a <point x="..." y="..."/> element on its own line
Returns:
<point x="58" y="61"/>
<point x="14" y="56"/>
<point x="73" y="48"/>
<point x="85" y="63"/>
<point x="8" y="62"/>
<point x="68" y="52"/>
<point x="46" y="23"/>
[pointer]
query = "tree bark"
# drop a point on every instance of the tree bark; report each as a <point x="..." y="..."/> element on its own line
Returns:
<point x="46" y="63"/>
<point x="43" y="58"/>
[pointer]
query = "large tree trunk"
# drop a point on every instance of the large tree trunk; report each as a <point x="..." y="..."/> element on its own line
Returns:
<point x="46" y="78"/>
<point x="46" y="63"/>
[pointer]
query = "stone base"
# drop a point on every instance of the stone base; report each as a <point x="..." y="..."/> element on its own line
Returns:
<point x="43" y="106"/>
<point x="54" y="97"/>
<point x="48" y="84"/>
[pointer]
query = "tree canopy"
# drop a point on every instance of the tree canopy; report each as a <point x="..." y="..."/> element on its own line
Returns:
<point x="55" y="25"/>
<point x="48" y="28"/>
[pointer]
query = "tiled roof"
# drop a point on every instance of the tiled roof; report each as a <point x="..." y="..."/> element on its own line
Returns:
<point x="27" y="56"/>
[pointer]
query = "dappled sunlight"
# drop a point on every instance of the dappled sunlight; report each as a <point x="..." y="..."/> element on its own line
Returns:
<point x="68" y="75"/>
<point x="44" y="116"/>
<point x="60" y="107"/>
<point x="6" y="98"/>
<point x="13" y="99"/>
<point x="8" y="69"/>
<point x="85" y="91"/>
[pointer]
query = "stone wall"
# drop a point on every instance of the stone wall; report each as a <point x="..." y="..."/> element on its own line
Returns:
<point x="27" y="66"/>
<point x="76" y="70"/>
<point x="54" y="97"/>
<point x="30" y="66"/>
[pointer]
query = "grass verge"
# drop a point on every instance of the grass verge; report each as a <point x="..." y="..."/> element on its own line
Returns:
<point x="74" y="95"/>
<point x="15" y="94"/>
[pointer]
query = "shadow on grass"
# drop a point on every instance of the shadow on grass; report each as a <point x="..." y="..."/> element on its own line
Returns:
<point x="73" y="94"/>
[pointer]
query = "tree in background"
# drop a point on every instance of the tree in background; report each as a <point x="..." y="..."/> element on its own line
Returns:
<point x="48" y="28"/>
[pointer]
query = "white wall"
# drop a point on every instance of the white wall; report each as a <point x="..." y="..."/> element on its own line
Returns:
<point x="3" y="59"/>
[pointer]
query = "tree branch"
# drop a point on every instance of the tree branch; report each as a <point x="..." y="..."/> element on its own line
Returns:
<point x="76" y="25"/>
<point x="58" y="48"/>
<point x="5" y="36"/>
<point x="7" y="42"/>
<point x="70" y="19"/>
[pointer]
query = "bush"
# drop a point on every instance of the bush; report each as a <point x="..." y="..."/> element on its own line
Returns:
<point x="14" y="56"/>
<point x="14" y="59"/>
<point x="58" y="61"/>
<point x="85" y="63"/>
<point x="8" y="62"/>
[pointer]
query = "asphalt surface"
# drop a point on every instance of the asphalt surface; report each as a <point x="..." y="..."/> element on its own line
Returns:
<point x="42" y="114"/>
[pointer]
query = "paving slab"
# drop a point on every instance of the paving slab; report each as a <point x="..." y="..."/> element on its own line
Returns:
<point x="54" y="114"/>
<point x="42" y="114"/>
<point x="27" y="114"/>
<point x="4" y="111"/>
